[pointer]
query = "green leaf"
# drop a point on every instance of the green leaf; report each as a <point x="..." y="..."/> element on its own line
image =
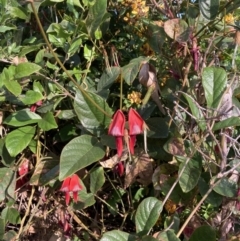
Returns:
<point x="7" y="78"/>
<point x="10" y="235"/>
<point x="226" y="188"/>
<point x="7" y="160"/>
<point x="26" y="69"/>
<point x="7" y="183"/>
<point x="108" y="77"/>
<point x="117" y="235"/>
<point x="203" y="233"/>
<point x="232" y="121"/>
<point x="191" y="174"/>
<point x="154" y="130"/>
<point x="85" y="200"/>
<point x="130" y="71"/>
<point x="147" y="214"/>
<point x="19" y="139"/>
<point x="172" y="221"/>
<point x="97" y="179"/>
<point x="37" y="87"/>
<point x="214" y="82"/>
<point x="95" y="16"/>
<point x="2" y="228"/>
<point x="22" y="118"/>
<point x="234" y="163"/>
<point x="31" y="97"/>
<point x="13" y="86"/>
<point x="209" y="8"/>
<point x="18" y="12"/>
<point x="46" y="171"/>
<point x="155" y="36"/>
<point x="11" y="215"/>
<point x="75" y="46"/>
<point x="149" y="238"/>
<point x="213" y="198"/>
<point x="3" y="29"/>
<point x="196" y="111"/>
<point x="168" y="235"/>
<point x="90" y="116"/>
<point x="47" y="122"/>
<point x="88" y="52"/>
<point x="79" y="153"/>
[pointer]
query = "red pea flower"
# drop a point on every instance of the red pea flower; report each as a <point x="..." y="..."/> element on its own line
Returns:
<point x="71" y="185"/>
<point x="116" y="129"/>
<point x="119" y="168"/>
<point x="136" y="126"/>
<point x="22" y="174"/>
<point x="33" y="107"/>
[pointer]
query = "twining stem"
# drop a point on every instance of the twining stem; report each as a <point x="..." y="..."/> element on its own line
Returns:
<point x="121" y="91"/>
<point x="61" y="64"/>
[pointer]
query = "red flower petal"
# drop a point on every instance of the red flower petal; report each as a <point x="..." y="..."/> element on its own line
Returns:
<point x="116" y="128"/>
<point x="119" y="145"/>
<point x="75" y="185"/>
<point x="65" y="185"/>
<point x="132" y="142"/>
<point x="33" y="108"/>
<point x="119" y="168"/>
<point x="136" y="123"/>
<point x="75" y="196"/>
<point x="67" y="197"/>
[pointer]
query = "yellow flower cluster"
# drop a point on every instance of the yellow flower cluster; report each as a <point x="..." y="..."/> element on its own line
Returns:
<point x="147" y="50"/>
<point x="138" y="9"/>
<point x="135" y="97"/>
<point x="170" y="206"/>
<point x="229" y="19"/>
<point x="164" y="79"/>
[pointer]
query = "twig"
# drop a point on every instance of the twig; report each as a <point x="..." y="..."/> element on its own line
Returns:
<point x="76" y="218"/>
<point x="20" y="232"/>
<point x="203" y="199"/>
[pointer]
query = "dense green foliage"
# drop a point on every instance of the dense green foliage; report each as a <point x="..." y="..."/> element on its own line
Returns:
<point x="130" y="109"/>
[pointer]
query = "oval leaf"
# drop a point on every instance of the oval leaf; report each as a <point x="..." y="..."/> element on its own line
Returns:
<point x="19" y="139"/>
<point x="26" y="69"/>
<point x="79" y="153"/>
<point x="97" y="179"/>
<point x="31" y="97"/>
<point x="22" y="118"/>
<point x="203" y="233"/>
<point x="214" y="82"/>
<point x="7" y="183"/>
<point x="130" y="71"/>
<point x="209" y="8"/>
<point x="213" y="198"/>
<point x="191" y="174"/>
<point x="226" y="188"/>
<point x="117" y="235"/>
<point x="90" y="116"/>
<point x="147" y="214"/>
<point x="47" y="122"/>
<point x="168" y="235"/>
<point x="232" y="121"/>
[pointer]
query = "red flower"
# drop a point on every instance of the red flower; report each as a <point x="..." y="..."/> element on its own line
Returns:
<point x="22" y="174"/>
<point x="71" y="185"/>
<point x="116" y="129"/>
<point x="119" y="168"/>
<point x="136" y="126"/>
<point x="34" y="106"/>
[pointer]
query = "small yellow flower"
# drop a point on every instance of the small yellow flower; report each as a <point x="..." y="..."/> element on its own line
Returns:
<point x="135" y="97"/>
<point x="134" y="12"/>
<point x="170" y="206"/>
<point x="229" y="19"/>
